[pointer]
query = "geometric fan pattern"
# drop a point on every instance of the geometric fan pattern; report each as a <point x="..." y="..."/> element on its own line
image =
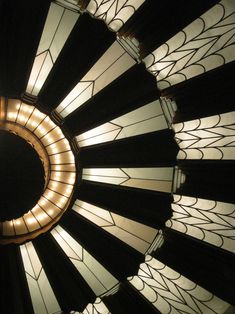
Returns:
<point x="206" y="220"/>
<point x="98" y="307"/>
<point x="114" y="13"/>
<point x="205" y="44"/>
<point x="112" y="106"/>
<point x="114" y="62"/>
<point x="43" y="298"/>
<point x="171" y="292"/>
<point x="207" y="138"/>
<point x="135" y="234"/>
<point x="146" y="119"/>
<point x="59" y="24"/>
<point x="97" y="277"/>
<point x="157" y="179"/>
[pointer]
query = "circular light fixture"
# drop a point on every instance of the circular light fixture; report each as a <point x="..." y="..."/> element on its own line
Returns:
<point x="55" y="153"/>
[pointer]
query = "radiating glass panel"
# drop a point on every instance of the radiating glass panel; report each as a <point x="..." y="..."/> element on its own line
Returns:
<point x="171" y="292"/>
<point x="207" y="138"/>
<point x="42" y="295"/>
<point x="71" y="4"/>
<point x="114" y="62"/>
<point x="59" y="24"/>
<point x="156" y="179"/>
<point x="98" y="307"/>
<point x="148" y="118"/>
<point x="97" y="277"/>
<point x="206" y="220"/>
<point x="203" y="45"/>
<point x="114" y="12"/>
<point x="135" y="234"/>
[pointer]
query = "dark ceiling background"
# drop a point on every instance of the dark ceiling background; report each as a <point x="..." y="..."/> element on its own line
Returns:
<point x="21" y="176"/>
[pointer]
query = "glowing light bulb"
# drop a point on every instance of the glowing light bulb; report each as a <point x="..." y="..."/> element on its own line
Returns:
<point x="21" y="118"/>
<point x="41" y="217"/>
<point x="68" y="190"/>
<point x="11" y="115"/>
<point x="57" y="176"/>
<point x="33" y="123"/>
<point x="71" y="180"/>
<point x="50" y="194"/>
<point x="30" y="220"/>
<point x="54" y="184"/>
<point x="50" y="212"/>
<point x="42" y="202"/>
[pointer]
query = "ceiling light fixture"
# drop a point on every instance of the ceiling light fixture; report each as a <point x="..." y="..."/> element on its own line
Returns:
<point x="55" y="153"/>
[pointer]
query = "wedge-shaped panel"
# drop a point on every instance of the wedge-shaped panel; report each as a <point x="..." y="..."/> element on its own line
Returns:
<point x="203" y="45"/>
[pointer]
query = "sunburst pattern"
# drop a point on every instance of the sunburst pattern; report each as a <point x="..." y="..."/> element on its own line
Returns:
<point x="84" y="73"/>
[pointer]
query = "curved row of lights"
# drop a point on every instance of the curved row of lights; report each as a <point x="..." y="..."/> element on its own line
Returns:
<point x="58" y="161"/>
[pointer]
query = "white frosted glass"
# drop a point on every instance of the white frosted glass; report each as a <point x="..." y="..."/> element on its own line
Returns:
<point x="42" y="74"/>
<point x="114" y="12"/>
<point x="201" y="46"/>
<point x="131" y="232"/>
<point x="207" y="220"/>
<point x="36" y="297"/>
<point x="145" y="232"/>
<point x="97" y="277"/>
<point x="120" y="66"/>
<point x="96" y="308"/>
<point x="66" y="25"/>
<point x="207" y="138"/>
<point x="171" y="292"/>
<point x="26" y="261"/>
<point x="101" y="273"/>
<point x="77" y="248"/>
<point x="38" y="62"/>
<point x="148" y="118"/>
<point x="161" y="173"/>
<point x="48" y="294"/>
<point x="148" y="111"/>
<point x="128" y="238"/>
<point x="90" y="278"/>
<point x="80" y="99"/>
<point x="162" y="186"/>
<point x="53" y="18"/>
<point x="151" y="125"/>
<point x="159" y="179"/>
<point x="90" y="216"/>
<point x="66" y="246"/>
<point x="110" y="180"/>
<point x="42" y="295"/>
<point x="113" y="53"/>
<point x="104" y="172"/>
<point x="114" y="62"/>
<point x="35" y="262"/>
<point x="58" y="26"/>
<point x="110" y="136"/>
<point x="96" y="210"/>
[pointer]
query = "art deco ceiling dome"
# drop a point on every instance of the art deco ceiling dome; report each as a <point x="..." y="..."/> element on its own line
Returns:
<point x="117" y="156"/>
